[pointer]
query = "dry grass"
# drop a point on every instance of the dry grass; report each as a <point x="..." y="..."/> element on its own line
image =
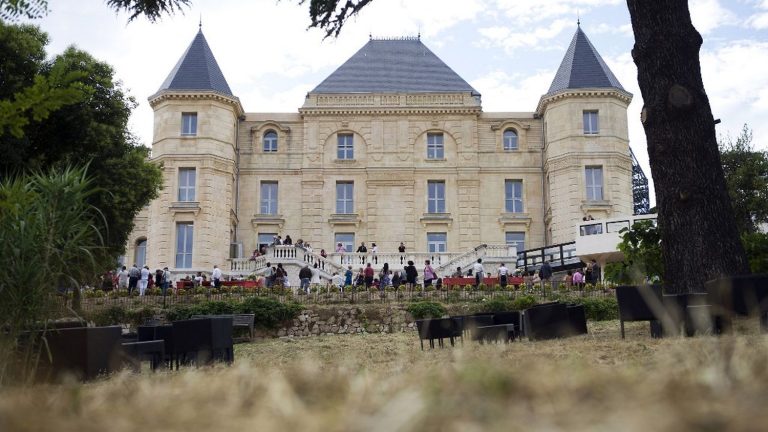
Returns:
<point x="385" y="382"/>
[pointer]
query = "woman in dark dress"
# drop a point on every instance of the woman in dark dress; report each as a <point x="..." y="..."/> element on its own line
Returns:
<point x="410" y="275"/>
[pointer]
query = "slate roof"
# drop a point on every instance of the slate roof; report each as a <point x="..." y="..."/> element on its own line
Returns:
<point x="197" y="70"/>
<point x="393" y="66"/>
<point x="582" y="67"/>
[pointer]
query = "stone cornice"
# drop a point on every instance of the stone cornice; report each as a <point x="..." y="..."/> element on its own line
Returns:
<point x="390" y="104"/>
<point x="196" y="95"/>
<point x="319" y="112"/>
<point x="621" y="95"/>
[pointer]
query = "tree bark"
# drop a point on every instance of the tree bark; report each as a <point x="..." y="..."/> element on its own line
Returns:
<point x="699" y="237"/>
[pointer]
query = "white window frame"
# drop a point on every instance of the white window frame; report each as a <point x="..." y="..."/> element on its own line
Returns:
<point x="187" y="179"/>
<point x="189" y="124"/>
<point x="435" y="146"/>
<point x="436" y="196"/>
<point x="437" y="242"/>
<point x="345" y="197"/>
<point x="511" y="140"/>
<point x="591" y="120"/>
<point x="184" y="242"/>
<point x="349" y="244"/>
<point x="269" y="141"/>
<point x="513" y="196"/>
<point x="517" y="243"/>
<point x="268" y="202"/>
<point x="345" y="146"/>
<point x="140" y="254"/>
<point x="594" y="183"/>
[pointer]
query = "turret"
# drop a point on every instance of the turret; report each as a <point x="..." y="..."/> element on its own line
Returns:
<point x="587" y="163"/>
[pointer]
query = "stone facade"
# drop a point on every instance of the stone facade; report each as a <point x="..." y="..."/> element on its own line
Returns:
<point x="391" y="171"/>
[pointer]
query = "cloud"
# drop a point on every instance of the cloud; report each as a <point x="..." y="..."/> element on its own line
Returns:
<point x="512" y="92"/>
<point x="510" y="41"/>
<point x="526" y="12"/>
<point x="759" y="19"/>
<point x="708" y="15"/>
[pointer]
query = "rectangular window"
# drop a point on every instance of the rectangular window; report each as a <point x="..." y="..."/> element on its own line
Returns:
<point x="591" y="124"/>
<point x="616" y="226"/>
<point x="265" y="239"/>
<point x="437" y="242"/>
<point x="516" y="239"/>
<point x="435" y="148"/>
<point x="345" y="147"/>
<point x="435" y="196"/>
<point x="189" y="124"/>
<point x="345" y="200"/>
<point x="268" y="198"/>
<point x="184" y="236"/>
<point x="513" y="196"/>
<point x="346" y="239"/>
<point x="187" y="184"/>
<point x="594" y="183"/>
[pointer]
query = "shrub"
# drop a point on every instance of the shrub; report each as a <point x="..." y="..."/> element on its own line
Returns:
<point x="600" y="308"/>
<point x="523" y="302"/>
<point x="269" y="313"/>
<point x="496" y="305"/>
<point x="111" y="316"/>
<point x="426" y="309"/>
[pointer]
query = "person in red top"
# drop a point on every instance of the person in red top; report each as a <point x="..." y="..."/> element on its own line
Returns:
<point x="368" y="275"/>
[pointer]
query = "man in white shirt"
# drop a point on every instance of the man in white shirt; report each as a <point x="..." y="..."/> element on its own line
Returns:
<point x="122" y="279"/>
<point x="216" y="276"/>
<point x="337" y="280"/>
<point x="144" y="280"/>
<point x="503" y="271"/>
<point x="478" y="269"/>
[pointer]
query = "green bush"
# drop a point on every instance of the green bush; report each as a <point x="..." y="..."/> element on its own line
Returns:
<point x="523" y="302"/>
<point x="600" y="308"/>
<point x="111" y="316"/>
<point x="426" y="309"/>
<point x="496" y="305"/>
<point x="270" y="313"/>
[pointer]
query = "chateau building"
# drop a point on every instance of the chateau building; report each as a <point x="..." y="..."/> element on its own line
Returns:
<point x="392" y="147"/>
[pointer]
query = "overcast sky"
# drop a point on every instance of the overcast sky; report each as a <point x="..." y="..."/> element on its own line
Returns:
<point x="508" y="50"/>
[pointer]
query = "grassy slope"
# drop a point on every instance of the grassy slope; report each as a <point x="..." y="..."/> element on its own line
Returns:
<point x="385" y="382"/>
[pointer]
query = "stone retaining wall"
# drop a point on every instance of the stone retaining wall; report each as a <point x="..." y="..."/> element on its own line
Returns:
<point x="324" y="320"/>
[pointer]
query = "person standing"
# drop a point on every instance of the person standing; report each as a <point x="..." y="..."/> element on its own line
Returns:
<point x="458" y="273"/>
<point x="159" y="282"/>
<point x="374" y="251"/>
<point x="122" y="279"/>
<point x="384" y="277"/>
<point x="269" y="276"/>
<point x="503" y="272"/>
<point x="596" y="273"/>
<point x="340" y="248"/>
<point x="288" y="241"/>
<point x="347" y="278"/>
<point x="216" y="276"/>
<point x="144" y="280"/>
<point x="315" y="275"/>
<point x="337" y="280"/>
<point x="411" y="274"/>
<point x="368" y="275"/>
<point x="362" y="248"/>
<point x="429" y="274"/>
<point x="305" y="275"/>
<point x="479" y="272"/>
<point x="396" y="280"/>
<point x="401" y="248"/>
<point x="166" y="279"/>
<point x="545" y="273"/>
<point x="133" y="278"/>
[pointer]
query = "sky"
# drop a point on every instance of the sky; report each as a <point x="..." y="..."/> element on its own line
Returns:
<point x="508" y="50"/>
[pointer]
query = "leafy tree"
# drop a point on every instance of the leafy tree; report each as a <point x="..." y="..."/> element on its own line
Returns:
<point x="641" y="246"/>
<point x="91" y="128"/>
<point x="756" y="245"/>
<point x="696" y="222"/>
<point x="746" y="174"/>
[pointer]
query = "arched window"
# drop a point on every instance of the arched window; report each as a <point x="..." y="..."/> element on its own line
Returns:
<point x="140" y="255"/>
<point x="270" y="141"/>
<point x="510" y="140"/>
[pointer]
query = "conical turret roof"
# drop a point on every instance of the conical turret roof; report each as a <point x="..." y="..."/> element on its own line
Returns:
<point x="402" y="65"/>
<point x="582" y="67"/>
<point x="197" y="70"/>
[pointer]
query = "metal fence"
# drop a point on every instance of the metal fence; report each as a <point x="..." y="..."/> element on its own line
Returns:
<point x="93" y="300"/>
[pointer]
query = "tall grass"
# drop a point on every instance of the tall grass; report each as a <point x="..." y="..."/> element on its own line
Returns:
<point x="51" y="239"/>
<point x="385" y="382"/>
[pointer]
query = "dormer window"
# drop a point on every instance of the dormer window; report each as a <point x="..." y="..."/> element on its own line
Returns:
<point x="270" y="141"/>
<point x="510" y="140"/>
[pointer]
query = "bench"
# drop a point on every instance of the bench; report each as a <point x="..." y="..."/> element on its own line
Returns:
<point x="242" y="321"/>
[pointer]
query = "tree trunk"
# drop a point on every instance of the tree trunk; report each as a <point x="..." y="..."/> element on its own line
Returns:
<point x="699" y="238"/>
